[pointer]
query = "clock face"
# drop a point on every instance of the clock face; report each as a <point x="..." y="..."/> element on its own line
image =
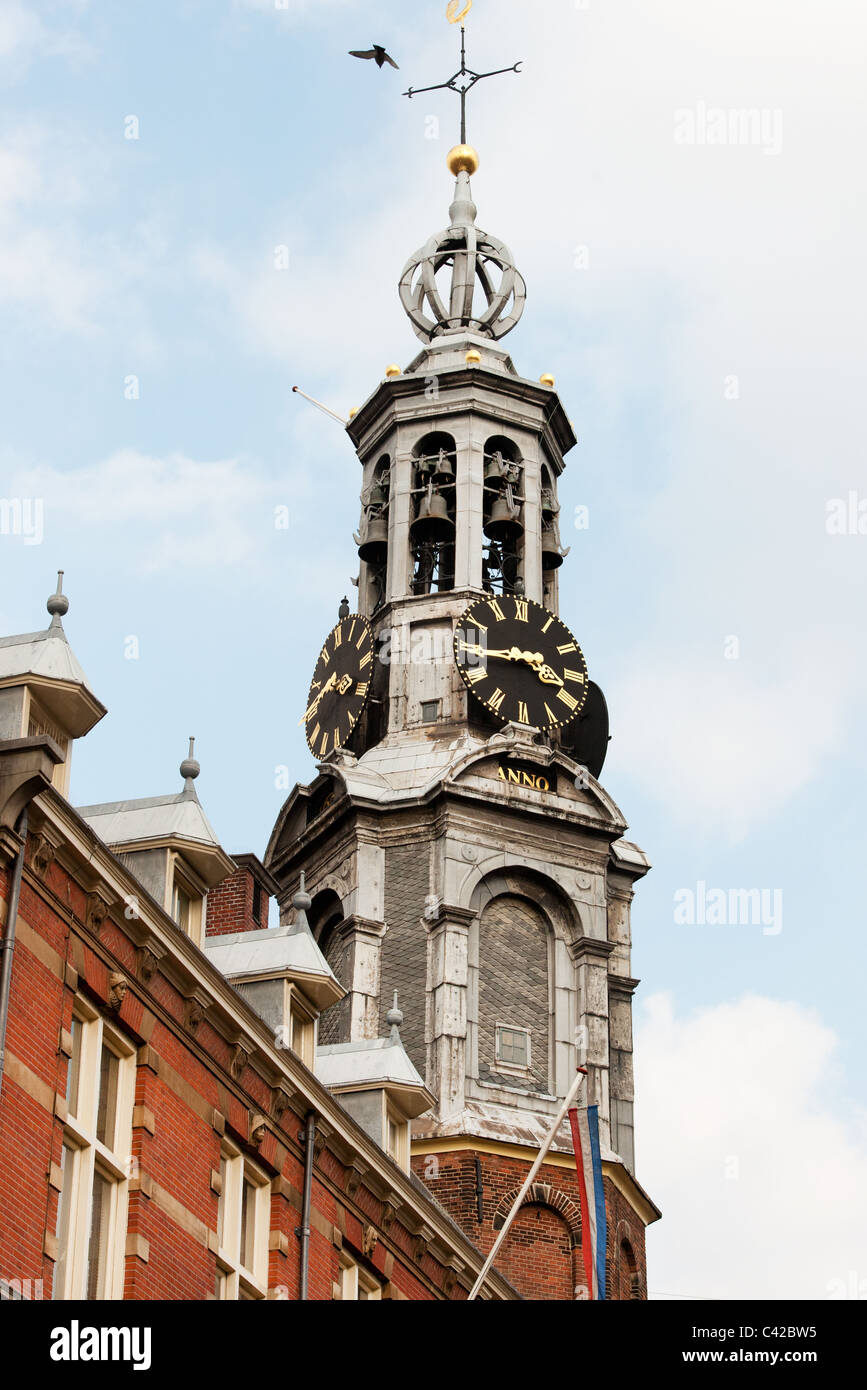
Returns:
<point x="340" y="686"/>
<point x="521" y="662"/>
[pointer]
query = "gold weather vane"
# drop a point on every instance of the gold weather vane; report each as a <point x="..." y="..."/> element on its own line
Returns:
<point x="455" y="15"/>
<point x="452" y="14"/>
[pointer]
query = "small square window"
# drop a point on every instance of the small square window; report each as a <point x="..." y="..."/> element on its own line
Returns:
<point x="513" y="1046"/>
<point x="430" y="711"/>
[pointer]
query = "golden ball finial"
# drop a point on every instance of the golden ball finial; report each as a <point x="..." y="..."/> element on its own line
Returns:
<point x="546" y="379"/>
<point x="353" y="412"/>
<point x="392" y="369"/>
<point x="462" y="159"/>
<point x="473" y="358"/>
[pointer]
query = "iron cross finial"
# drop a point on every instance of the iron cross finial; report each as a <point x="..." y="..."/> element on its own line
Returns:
<point x="455" y="84"/>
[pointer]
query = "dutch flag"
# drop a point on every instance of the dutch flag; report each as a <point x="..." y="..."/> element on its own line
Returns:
<point x="585" y="1138"/>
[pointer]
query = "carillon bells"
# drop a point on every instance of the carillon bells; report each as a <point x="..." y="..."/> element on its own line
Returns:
<point x="374" y="545"/>
<point x="553" y="553"/>
<point x="504" y="523"/>
<point x="495" y="468"/>
<point x="443" y="469"/>
<point x="433" y="522"/>
<point x="377" y="493"/>
<point x="550" y="505"/>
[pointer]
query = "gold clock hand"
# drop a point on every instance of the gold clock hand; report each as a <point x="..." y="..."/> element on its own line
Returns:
<point x="546" y="673"/>
<point x="329" y="685"/>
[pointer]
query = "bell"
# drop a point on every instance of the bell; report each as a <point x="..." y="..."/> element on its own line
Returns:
<point x="494" y="467"/>
<point x="374" y="547"/>
<point x="433" y="522"/>
<point x="504" y="523"/>
<point x="552" y="551"/>
<point x="443" y="472"/>
<point x="550" y="505"/>
<point x="377" y="493"/>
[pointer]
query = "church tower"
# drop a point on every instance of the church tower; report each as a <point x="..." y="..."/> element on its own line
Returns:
<point x="456" y="842"/>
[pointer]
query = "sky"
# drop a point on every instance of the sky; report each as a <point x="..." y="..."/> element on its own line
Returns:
<point x="205" y="202"/>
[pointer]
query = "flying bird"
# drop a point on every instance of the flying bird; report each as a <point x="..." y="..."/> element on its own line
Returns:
<point x="377" y="52"/>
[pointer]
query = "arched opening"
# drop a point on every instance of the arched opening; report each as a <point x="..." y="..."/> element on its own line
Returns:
<point x="627" y="1272"/>
<point x="432" y="531"/>
<point x="326" y="918"/>
<point x="502" y="516"/>
<point x="373" y="540"/>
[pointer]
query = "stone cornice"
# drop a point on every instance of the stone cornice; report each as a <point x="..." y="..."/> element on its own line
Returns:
<point x="585" y="948"/>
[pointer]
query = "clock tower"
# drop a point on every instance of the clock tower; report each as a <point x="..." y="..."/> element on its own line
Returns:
<point x="457" y="844"/>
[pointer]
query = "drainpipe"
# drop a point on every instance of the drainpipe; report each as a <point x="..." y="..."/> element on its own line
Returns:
<point x="307" y="1137"/>
<point x="7" y="945"/>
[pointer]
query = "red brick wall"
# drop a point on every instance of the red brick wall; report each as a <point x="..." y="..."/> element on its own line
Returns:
<point x="186" y="1099"/>
<point x="542" y="1253"/>
<point x="230" y="905"/>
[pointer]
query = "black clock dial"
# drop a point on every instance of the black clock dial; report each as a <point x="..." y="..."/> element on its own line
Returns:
<point x="340" y="686"/>
<point x="521" y="662"/>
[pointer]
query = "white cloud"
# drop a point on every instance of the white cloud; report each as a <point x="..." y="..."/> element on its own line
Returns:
<point x="24" y="33"/>
<point x="164" y="514"/>
<point x="761" y="1180"/>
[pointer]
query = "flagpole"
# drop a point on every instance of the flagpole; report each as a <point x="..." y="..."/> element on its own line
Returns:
<point x="540" y="1158"/>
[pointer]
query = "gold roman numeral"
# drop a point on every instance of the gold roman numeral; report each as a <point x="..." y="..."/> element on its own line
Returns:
<point x="350" y="632"/>
<point x="497" y="699"/>
<point x="362" y="639"/>
<point x="496" y="610"/>
<point x="338" y="637"/>
<point x="365" y="660"/>
<point x="567" y="647"/>
<point x="324" y="746"/>
<point x="476" y="674"/>
<point x="567" y="699"/>
<point x="552" y="718"/>
<point x="315" y="734"/>
<point x="573" y="676"/>
<point x="522" y="610"/>
<point x="325" y="656"/>
<point x="523" y="713"/>
<point x="362" y="688"/>
<point x="337" y="737"/>
<point x="547" y="625"/>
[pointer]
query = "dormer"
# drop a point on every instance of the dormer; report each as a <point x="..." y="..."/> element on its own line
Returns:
<point x="283" y="974"/>
<point x="168" y="843"/>
<point x="43" y="690"/>
<point x="379" y="1086"/>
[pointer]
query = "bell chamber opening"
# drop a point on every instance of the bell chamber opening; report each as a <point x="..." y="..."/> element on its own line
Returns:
<point x="432" y="531"/>
<point x="502" y="511"/>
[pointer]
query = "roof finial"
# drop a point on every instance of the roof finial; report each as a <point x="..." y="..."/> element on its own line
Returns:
<point x="343" y="610"/>
<point x="394" y="1018"/>
<point x="302" y="901"/>
<point x="190" y="769"/>
<point x="58" y="603"/>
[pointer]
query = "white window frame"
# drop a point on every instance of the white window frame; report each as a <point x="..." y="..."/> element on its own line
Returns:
<point x="89" y="1155"/>
<point x="183" y="880"/>
<point x="400" y="1153"/>
<point x="518" y="1068"/>
<point x="300" y="1018"/>
<point x="234" y="1279"/>
<point x="354" y="1283"/>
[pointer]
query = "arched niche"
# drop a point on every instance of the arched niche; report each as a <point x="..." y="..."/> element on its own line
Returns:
<point x="519" y="964"/>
